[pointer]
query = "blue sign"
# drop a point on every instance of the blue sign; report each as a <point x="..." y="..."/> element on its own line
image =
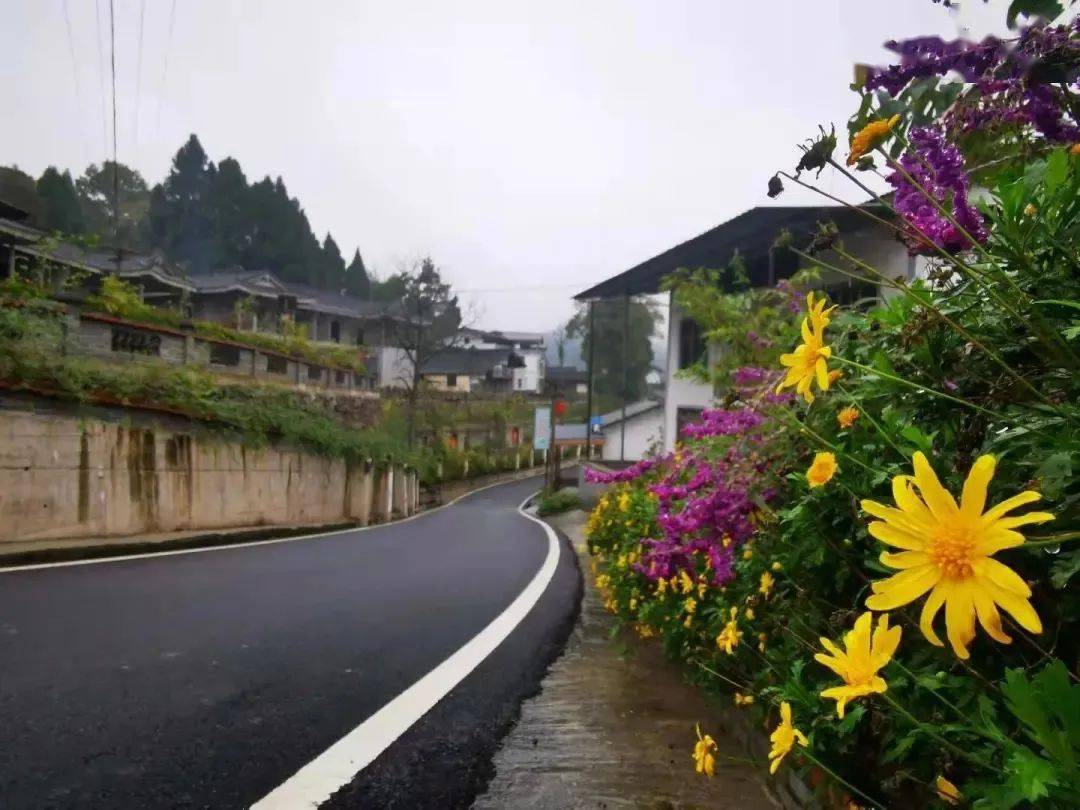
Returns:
<point x="542" y="429"/>
<point x="595" y="424"/>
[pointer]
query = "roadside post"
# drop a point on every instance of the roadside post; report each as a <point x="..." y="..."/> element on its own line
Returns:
<point x="542" y="434"/>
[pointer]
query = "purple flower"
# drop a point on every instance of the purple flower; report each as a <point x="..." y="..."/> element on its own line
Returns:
<point x="937" y="167"/>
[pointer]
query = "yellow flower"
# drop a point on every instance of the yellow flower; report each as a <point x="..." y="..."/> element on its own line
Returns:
<point x="747" y="554"/>
<point x="761" y="642"/>
<point x="784" y="737"/>
<point x="835" y="375"/>
<point x="644" y="630"/>
<point x="947" y="791"/>
<point x="624" y="502"/>
<point x="858" y="663"/>
<point x="776" y="566"/>
<point x="948" y="550"/>
<point x="1030" y="210"/>
<point x="686" y="582"/>
<point x="808" y="362"/>
<point x="743" y="700"/>
<point x="749" y="614"/>
<point x="731" y="635"/>
<point x="822" y="470"/>
<point x="847" y="416"/>
<point x="1074" y="149"/>
<point x="661" y="587"/>
<point x="633" y="603"/>
<point x="870" y="137"/>
<point x="767" y="583"/>
<point x="690" y="605"/>
<point x="704" y="753"/>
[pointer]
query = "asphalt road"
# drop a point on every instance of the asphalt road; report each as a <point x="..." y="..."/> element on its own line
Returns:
<point x="206" y="680"/>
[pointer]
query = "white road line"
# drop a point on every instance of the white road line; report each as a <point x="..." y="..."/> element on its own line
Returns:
<point x="14" y="569"/>
<point x="340" y="763"/>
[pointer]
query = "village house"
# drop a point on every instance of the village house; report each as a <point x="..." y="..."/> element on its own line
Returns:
<point x="753" y="235"/>
<point x="566" y="382"/>
<point x="526" y="378"/>
<point x="472" y="370"/>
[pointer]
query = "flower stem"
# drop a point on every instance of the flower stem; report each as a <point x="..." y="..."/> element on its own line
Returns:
<point x="923" y="388"/>
<point x="873" y="802"/>
<point x="925" y="729"/>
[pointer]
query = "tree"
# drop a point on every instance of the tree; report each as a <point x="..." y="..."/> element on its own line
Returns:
<point x="357" y="280"/>
<point x="17" y="188"/>
<point x="623" y="334"/>
<point x="426" y="326"/>
<point x="332" y="275"/>
<point x="229" y="200"/>
<point x="115" y="201"/>
<point x="61" y="209"/>
<point x="181" y="220"/>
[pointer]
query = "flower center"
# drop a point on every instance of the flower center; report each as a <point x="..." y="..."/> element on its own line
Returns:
<point x="951" y="551"/>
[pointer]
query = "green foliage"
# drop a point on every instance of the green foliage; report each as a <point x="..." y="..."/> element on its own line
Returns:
<point x="554" y="503"/>
<point x="623" y="355"/>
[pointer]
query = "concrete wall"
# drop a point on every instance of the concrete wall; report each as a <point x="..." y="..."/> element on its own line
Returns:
<point x="62" y="476"/>
<point x="643" y="433"/>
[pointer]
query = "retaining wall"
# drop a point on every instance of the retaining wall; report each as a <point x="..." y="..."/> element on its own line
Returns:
<point x="68" y="476"/>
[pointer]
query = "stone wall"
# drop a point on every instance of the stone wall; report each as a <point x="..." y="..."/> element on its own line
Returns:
<point x="64" y="475"/>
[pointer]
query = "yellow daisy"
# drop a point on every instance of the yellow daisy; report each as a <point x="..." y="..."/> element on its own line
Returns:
<point x="784" y="737"/>
<point x="858" y="663"/>
<point x="947" y="549"/>
<point x="847" y="416"/>
<point x="870" y="137"/>
<point x="704" y="753"/>
<point x="808" y="363"/>
<point x="822" y="470"/>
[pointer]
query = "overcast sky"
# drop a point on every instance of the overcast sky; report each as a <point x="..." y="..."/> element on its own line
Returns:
<point x="531" y="148"/>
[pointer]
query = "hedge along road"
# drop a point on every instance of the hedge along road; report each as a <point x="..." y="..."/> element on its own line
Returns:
<point x="284" y="674"/>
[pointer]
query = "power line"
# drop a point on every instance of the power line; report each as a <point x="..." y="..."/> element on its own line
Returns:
<point x="101" y="76"/>
<point x="165" y="69"/>
<point x="116" y="163"/>
<point x="138" y="71"/>
<point x="75" y="75"/>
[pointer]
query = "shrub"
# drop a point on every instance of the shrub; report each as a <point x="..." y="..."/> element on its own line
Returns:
<point x="554" y="503"/>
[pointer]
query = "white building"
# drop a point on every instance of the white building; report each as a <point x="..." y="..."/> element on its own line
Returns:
<point x="528" y="376"/>
<point x="753" y="235"/>
<point x="634" y="435"/>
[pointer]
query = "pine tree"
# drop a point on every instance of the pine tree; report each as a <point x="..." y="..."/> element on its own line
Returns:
<point x="60" y="207"/>
<point x="333" y="266"/>
<point x="180" y="217"/>
<point x="357" y="280"/>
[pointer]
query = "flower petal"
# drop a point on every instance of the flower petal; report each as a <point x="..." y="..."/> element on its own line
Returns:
<point x="960" y="619"/>
<point x="1003" y="576"/>
<point x="996" y="540"/>
<point x="896" y="537"/>
<point x="1016" y="606"/>
<point x="902" y="588"/>
<point x="1007" y="505"/>
<point x="941" y="502"/>
<point x="886" y="640"/>
<point x="930" y="609"/>
<point x="973" y="498"/>
<point x="832" y="663"/>
<point x="902" y="520"/>
<point x="909" y="502"/>
<point x="904" y="559"/>
<point x="821" y="370"/>
<point x="988" y="615"/>
<point x="1022" y="520"/>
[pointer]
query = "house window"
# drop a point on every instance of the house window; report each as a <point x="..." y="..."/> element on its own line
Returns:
<point x="359" y="337"/>
<point x="519" y="382"/>
<point x="276" y="364"/>
<point x="451" y="380"/>
<point x="339" y="377"/>
<point x="314" y="372"/>
<point x="222" y="354"/>
<point x="692" y="346"/>
<point x="335" y="331"/>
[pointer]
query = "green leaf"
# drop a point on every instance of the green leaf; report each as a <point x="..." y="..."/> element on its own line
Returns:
<point x="1065" y="569"/>
<point x="1056" y="473"/>
<point x="1031" y="775"/>
<point x="1032" y="8"/>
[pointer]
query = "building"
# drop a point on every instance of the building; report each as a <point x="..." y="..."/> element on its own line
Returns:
<point x="753" y="234"/>
<point x="472" y="370"/>
<point x="566" y="382"/>
<point x="635" y="434"/>
<point x="527" y="378"/>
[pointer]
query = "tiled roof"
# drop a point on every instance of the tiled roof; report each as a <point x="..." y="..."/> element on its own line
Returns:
<point x="474" y="362"/>
<point x="567" y="374"/>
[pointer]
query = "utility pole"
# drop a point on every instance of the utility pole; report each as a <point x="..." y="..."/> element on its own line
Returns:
<point x="588" y="387"/>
